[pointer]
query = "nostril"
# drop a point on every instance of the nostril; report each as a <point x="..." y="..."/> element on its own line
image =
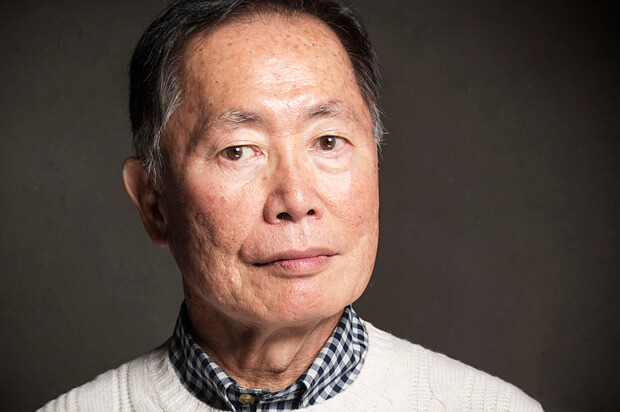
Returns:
<point x="287" y="216"/>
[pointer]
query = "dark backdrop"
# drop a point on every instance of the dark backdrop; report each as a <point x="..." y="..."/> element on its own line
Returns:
<point x="499" y="183"/>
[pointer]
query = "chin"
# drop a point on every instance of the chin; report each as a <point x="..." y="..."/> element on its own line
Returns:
<point x="302" y="308"/>
<point x="298" y="310"/>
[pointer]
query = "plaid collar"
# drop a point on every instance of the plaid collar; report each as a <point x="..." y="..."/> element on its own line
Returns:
<point x="333" y="370"/>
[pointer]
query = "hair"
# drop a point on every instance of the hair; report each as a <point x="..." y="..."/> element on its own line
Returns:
<point x="155" y="79"/>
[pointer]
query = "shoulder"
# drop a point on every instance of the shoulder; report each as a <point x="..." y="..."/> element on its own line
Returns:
<point x="110" y="391"/>
<point x="447" y="383"/>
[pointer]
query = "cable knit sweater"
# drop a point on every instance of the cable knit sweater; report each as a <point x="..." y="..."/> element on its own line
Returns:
<point x="397" y="376"/>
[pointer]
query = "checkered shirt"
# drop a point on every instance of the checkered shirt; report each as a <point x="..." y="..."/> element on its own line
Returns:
<point x="333" y="370"/>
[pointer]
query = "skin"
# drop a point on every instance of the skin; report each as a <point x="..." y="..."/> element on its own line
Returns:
<point x="274" y="243"/>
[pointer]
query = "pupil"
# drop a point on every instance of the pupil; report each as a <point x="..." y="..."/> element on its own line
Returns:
<point x="328" y="143"/>
<point x="234" y="153"/>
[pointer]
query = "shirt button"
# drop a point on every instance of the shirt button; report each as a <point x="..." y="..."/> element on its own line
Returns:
<point x="246" y="399"/>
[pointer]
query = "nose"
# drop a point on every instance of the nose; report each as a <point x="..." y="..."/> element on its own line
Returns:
<point x="293" y="195"/>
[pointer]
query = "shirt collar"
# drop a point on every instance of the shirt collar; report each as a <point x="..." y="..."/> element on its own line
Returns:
<point x="332" y="371"/>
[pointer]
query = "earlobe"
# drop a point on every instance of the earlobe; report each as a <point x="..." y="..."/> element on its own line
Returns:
<point x="140" y="189"/>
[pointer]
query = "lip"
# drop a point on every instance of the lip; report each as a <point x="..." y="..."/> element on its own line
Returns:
<point x="298" y="261"/>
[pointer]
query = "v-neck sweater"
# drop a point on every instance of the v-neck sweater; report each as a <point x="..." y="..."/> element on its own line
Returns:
<point x="396" y="376"/>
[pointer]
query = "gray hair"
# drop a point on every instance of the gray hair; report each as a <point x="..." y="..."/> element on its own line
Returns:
<point x="155" y="91"/>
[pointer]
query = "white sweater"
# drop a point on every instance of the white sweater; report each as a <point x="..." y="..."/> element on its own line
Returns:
<point x="396" y="376"/>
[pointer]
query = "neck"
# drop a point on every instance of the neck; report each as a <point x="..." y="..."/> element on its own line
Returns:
<point x="259" y="356"/>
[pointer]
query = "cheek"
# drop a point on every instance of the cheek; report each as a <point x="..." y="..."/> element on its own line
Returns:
<point x="208" y="229"/>
<point x="206" y="240"/>
<point x="357" y="214"/>
<point x="354" y="197"/>
<point x="216" y="209"/>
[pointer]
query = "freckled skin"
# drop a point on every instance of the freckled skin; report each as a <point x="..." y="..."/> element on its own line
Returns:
<point x="221" y="215"/>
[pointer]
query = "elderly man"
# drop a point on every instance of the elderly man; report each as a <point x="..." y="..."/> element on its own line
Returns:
<point x="256" y="129"/>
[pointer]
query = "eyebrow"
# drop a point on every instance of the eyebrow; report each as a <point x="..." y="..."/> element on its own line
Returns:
<point x="333" y="108"/>
<point x="231" y="118"/>
<point x="234" y="117"/>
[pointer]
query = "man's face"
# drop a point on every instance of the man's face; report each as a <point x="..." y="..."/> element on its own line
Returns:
<point x="270" y="194"/>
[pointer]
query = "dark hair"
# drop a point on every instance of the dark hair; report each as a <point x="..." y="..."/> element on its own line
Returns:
<point x="155" y="91"/>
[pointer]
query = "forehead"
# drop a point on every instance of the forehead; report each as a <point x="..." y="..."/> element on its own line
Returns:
<point x="270" y="52"/>
<point x="299" y="31"/>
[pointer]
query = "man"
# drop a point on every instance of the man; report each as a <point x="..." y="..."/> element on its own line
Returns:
<point x="256" y="129"/>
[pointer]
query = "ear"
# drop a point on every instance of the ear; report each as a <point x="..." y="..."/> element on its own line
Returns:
<point x="140" y="189"/>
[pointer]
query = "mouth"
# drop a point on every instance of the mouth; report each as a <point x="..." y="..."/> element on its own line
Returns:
<point x="299" y="261"/>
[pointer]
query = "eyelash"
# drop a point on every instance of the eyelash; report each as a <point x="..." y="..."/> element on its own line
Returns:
<point x="232" y="150"/>
<point x="338" y="142"/>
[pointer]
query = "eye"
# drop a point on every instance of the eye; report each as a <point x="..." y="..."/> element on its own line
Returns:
<point x="236" y="152"/>
<point x="330" y="142"/>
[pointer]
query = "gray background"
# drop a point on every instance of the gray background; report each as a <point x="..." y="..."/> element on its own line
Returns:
<point x="499" y="183"/>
